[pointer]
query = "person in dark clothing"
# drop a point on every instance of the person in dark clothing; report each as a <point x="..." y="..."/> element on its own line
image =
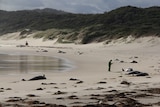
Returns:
<point x="26" y="43"/>
<point x="109" y="65"/>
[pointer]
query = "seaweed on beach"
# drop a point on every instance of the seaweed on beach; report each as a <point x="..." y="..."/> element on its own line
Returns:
<point x="128" y="102"/>
<point x="112" y="98"/>
<point x="154" y="90"/>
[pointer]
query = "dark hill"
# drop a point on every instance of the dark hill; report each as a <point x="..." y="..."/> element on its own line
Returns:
<point x="117" y="23"/>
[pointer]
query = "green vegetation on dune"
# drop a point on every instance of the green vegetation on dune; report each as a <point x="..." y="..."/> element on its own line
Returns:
<point x="51" y="34"/>
<point x="84" y="28"/>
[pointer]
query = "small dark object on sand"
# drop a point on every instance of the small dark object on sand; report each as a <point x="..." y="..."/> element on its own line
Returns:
<point x="102" y="82"/>
<point x="61" y="52"/>
<point x="73" y="97"/>
<point x="134" y="61"/>
<point x="44" y="51"/>
<point x="31" y="95"/>
<point x="39" y="89"/>
<point x="23" y="80"/>
<point x="121" y="61"/>
<point x="125" y="83"/>
<point x="79" y="82"/>
<point x="73" y="79"/>
<point x="9" y="89"/>
<point x="59" y="93"/>
<point x="48" y="83"/>
<point x="38" y="78"/>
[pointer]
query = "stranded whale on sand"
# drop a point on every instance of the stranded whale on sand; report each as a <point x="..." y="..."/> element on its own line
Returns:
<point x="36" y="78"/>
<point x="130" y="71"/>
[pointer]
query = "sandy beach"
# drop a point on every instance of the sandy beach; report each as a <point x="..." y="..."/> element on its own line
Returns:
<point x="87" y="80"/>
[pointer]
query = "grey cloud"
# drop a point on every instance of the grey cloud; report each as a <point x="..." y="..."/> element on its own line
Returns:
<point x="75" y="6"/>
<point x="19" y="4"/>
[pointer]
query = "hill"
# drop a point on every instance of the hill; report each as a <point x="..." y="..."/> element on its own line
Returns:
<point x="84" y="28"/>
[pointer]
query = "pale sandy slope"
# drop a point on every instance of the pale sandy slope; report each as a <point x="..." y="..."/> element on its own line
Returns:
<point x="89" y="64"/>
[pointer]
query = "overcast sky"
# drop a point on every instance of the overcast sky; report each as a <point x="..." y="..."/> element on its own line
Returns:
<point x="75" y="6"/>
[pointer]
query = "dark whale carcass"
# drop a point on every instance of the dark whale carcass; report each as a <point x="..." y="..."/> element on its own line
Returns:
<point x="38" y="78"/>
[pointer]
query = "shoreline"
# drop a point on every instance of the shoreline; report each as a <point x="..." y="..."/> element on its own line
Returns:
<point x="89" y="81"/>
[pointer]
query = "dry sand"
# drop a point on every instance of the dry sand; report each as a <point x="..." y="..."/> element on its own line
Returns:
<point x="89" y="62"/>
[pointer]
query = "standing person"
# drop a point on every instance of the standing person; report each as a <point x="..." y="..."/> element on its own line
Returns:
<point x="109" y="65"/>
<point x="26" y="43"/>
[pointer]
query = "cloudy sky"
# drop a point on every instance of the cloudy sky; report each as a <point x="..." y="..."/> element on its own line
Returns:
<point x="75" y="6"/>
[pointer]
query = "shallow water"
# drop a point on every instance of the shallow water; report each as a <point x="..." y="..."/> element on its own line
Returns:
<point x="10" y="64"/>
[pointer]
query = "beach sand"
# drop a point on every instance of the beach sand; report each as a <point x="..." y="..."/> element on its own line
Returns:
<point x="87" y="81"/>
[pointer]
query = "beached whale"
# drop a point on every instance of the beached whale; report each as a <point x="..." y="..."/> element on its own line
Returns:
<point x="134" y="72"/>
<point x="130" y="71"/>
<point x="142" y="74"/>
<point x="38" y="78"/>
